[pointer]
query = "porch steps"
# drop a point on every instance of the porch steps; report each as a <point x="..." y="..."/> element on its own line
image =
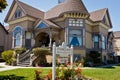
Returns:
<point x="24" y="59"/>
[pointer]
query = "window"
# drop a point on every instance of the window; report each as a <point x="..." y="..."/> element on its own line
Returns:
<point x="17" y="37"/>
<point x="42" y="25"/>
<point x="18" y="14"/>
<point x="103" y="42"/>
<point x="75" y="38"/>
<point x="76" y="22"/>
<point x="96" y="41"/>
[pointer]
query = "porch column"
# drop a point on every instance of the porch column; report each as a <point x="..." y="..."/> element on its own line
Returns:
<point x="13" y="42"/>
<point x="50" y="36"/>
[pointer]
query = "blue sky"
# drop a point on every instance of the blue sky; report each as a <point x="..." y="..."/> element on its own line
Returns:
<point x="91" y="5"/>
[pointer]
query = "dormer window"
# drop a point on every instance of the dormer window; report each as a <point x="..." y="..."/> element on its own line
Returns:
<point x="18" y="14"/>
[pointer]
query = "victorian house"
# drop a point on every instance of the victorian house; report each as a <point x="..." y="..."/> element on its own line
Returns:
<point x="68" y="22"/>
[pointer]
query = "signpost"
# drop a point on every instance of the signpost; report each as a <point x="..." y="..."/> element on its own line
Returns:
<point x="63" y="51"/>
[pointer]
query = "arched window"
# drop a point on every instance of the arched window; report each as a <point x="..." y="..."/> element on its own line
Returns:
<point x="17" y="33"/>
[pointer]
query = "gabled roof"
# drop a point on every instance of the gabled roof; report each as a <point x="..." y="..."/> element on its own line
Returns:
<point x="117" y="34"/>
<point x="49" y="23"/>
<point x="3" y="28"/>
<point x="67" y="6"/>
<point x="28" y="10"/>
<point x="98" y="15"/>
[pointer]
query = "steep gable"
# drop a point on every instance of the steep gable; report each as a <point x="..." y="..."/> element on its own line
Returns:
<point x="25" y="10"/>
<point x="101" y="15"/>
<point x="11" y="12"/>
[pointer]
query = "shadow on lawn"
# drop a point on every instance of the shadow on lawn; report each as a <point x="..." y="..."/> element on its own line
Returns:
<point x="110" y="67"/>
<point x="11" y="77"/>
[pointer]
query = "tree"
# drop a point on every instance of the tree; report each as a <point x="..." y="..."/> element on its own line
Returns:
<point x="3" y="5"/>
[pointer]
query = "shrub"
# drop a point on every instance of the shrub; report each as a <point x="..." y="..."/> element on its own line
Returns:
<point x="62" y="74"/>
<point x="40" y="51"/>
<point x="7" y="56"/>
<point x="20" y="50"/>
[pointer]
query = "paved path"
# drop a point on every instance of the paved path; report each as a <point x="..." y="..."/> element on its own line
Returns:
<point x="6" y="67"/>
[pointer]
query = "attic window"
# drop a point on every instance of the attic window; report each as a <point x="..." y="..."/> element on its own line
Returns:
<point x="18" y="14"/>
<point x="76" y="22"/>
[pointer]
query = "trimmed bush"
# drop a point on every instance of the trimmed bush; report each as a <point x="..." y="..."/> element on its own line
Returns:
<point x="7" y="56"/>
<point x="41" y="51"/>
<point x="20" y="50"/>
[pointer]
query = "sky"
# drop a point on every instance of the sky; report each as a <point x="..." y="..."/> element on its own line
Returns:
<point x="91" y="5"/>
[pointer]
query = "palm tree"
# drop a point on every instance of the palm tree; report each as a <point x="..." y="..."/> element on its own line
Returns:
<point x="3" y="4"/>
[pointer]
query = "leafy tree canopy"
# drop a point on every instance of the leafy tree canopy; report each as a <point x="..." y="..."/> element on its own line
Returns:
<point x="3" y="4"/>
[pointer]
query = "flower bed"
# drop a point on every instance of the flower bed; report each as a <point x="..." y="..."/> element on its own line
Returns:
<point x="62" y="74"/>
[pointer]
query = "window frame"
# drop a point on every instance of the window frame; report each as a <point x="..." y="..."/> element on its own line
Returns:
<point x="75" y="22"/>
<point x="18" y="13"/>
<point x="17" y="34"/>
<point x="96" y="41"/>
<point x="78" y="36"/>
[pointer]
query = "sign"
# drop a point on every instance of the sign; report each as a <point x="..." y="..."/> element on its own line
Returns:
<point x="63" y="51"/>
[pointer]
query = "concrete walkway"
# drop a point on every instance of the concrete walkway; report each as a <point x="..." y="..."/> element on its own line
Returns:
<point x="6" y="67"/>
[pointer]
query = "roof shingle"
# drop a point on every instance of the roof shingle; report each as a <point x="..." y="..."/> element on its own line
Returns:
<point x="98" y="14"/>
<point x="29" y="10"/>
<point x="67" y="6"/>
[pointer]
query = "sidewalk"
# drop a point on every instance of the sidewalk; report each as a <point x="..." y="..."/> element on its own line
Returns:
<point x="6" y="67"/>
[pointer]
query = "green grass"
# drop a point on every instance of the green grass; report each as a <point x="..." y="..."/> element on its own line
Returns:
<point x="111" y="73"/>
<point x="26" y="74"/>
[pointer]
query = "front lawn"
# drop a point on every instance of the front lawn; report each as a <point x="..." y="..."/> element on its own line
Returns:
<point x="21" y="74"/>
<point x="111" y="73"/>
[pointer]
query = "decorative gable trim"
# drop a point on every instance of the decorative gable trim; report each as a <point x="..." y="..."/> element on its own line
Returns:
<point x="15" y="4"/>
